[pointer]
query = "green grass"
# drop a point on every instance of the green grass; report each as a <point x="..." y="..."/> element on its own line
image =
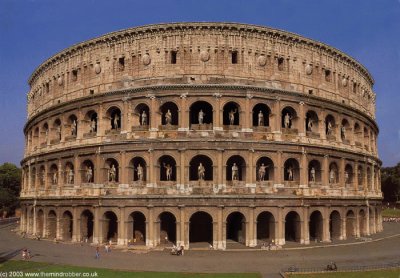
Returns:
<point x="29" y="267"/>
<point x="391" y="212"/>
<point x="391" y="273"/>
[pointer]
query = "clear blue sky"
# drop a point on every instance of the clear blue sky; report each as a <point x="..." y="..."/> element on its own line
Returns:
<point x="32" y="31"/>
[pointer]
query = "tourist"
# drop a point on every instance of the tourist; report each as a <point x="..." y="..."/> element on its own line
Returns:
<point x="97" y="255"/>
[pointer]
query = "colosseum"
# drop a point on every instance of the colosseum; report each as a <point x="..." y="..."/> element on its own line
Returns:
<point x="198" y="134"/>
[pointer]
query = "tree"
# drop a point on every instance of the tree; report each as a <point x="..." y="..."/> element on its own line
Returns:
<point x="391" y="183"/>
<point x="10" y="185"/>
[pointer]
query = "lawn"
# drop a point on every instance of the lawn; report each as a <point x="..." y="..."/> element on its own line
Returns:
<point x="391" y="273"/>
<point x="30" y="267"/>
<point x="391" y="212"/>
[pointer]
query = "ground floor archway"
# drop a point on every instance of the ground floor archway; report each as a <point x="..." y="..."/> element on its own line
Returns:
<point x="201" y="228"/>
<point x="86" y="226"/>
<point x="316" y="226"/>
<point x="236" y="227"/>
<point x="136" y="226"/>
<point x="335" y="225"/>
<point x="167" y="228"/>
<point x="292" y="227"/>
<point x="265" y="227"/>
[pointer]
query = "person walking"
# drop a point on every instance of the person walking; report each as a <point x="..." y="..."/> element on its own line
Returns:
<point x="97" y="255"/>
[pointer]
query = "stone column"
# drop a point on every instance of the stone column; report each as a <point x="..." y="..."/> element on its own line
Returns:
<point x="97" y="229"/>
<point x="252" y="229"/>
<point x="343" y="234"/>
<point x="220" y="169"/>
<point x="250" y="175"/>
<point x="77" y="172"/>
<point x="98" y="167"/>
<point x="305" y="226"/>
<point x="182" y="175"/>
<point x="60" y="180"/>
<point x="342" y="167"/>
<point x="59" y="229"/>
<point x="34" y="218"/>
<point x="122" y="238"/>
<point x="183" y="123"/>
<point x="79" y="122"/>
<point x="246" y="122"/>
<point x="46" y="175"/>
<point x="153" y="116"/>
<point x="303" y="170"/>
<point x="280" y="227"/>
<point x="221" y="240"/>
<point x="302" y="120"/>
<point x="150" y="240"/>
<point x="355" y="178"/>
<point x="325" y="171"/>
<point x="102" y="124"/>
<point x="76" y="229"/>
<point x="123" y="170"/>
<point x="367" y="231"/>
<point x="278" y="173"/>
<point x="326" y="235"/>
<point x="29" y="177"/>
<point x="181" y="232"/>
<point x="357" y="224"/>
<point x="45" y="225"/>
<point x="321" y="124"/>
<point x="276" y="127"/>
<point x="124" y="116"/>
<point x="373" y="186"/>
<point x="217" y="113"/>
<point x="151" y="178"/>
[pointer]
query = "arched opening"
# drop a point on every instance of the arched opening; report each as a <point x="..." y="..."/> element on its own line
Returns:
<point x="371" y="221"/>
<point x="236" y="227"/>
<point x="201" y="228"/>
<point x="73" y="126"/>
<point x="201" y="115"/>
<point x="42" y="177"/>
<point x="344" y="131"/>
<point x="261" y="113"/>
<point x="86" y="226"/>
<point x="360" y="177"/>
<point x="141" y="116"/>
<point x="69" y="176"/>
<point x="114" y="116"/>
<point x="231" y="114"/>
<point x="36" y="138"/>
<point x="169" y="114"/>
<point x="137" y="228"/>
<point x="87" y="172"/>
<point x="66" y="225"/>
<point x="362" y="222"/>
<point x="330" y="127"/>
<point x="316" y="226"/>
<point x="44" y="134"/>
<point x="312" y="123"/>
<point x="348" y="175"/>
<point x="40" y="223"/>
<point x="265" y="227"/>
<point x="369" y="179"/>
<point x="366" y="138"/>
<point x="265" y="169"/>
<point x="167" y="167"/>
<point x="292" y="227"/>
<point x="350" y="224"/>
<point x="138" y="168"/>
<point x="291" y="170"/>
<point x="357" y="134"/>
<point x="90" y="123"/>
<point x="110" y="226"/>
<point x="111" y="170"/>
<point x="335" y="225"/>
<point x="167" y="228"/>
<point x="333" y="173"/>
<point x="52" y="225"/>
<point x="56" y="132"/>
<point x="201" y="168"/>
<point x="289" y="118"/>
<point x="314" y="172"/>
<point x="33" y="178"/>
<point x="236" y="168"/>
<point x="53" y="175"/>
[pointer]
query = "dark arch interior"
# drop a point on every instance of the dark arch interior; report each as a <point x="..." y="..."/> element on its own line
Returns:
<point x="236" y="227"/>
<point x="165" y="161"/>
<point x="110" y="226"/>
<point x="264" y="109"/>
<point x="173" y="110"/>
<point x="201" y="229"/>
<point x="350" y="224"/>
<point x="138" y="228"/>
<point x="315" y="226"/>
<point x="87" y="225"/>
<point x="265" y="226"/>
<point x="292" y="227"/>
<point x="167" y="227"/>
<point x="291" y="163"/>
<point x="52" y="224"/>
<point x="67" y="226"/>
<point x="207" y="110"/>
<point x="228" y="108"/>
<point x="115" y="113"/>
<point x="334" y="225"/>
<point x="311" y="121"/>
<point x="207" y="164"/>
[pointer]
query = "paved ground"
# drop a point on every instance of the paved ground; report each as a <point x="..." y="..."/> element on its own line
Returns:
<point x="268" y="263"/>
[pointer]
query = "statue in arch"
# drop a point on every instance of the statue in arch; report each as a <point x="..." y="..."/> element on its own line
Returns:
<point x="112" y="173"/>
<point x="343" y="132"/>
<point x="55" y="177"/>
<point x="235" y="172"/>
<point x="58" y="130"/>
<point x="168" y="171"/>
<point x="290" y="173"/>
<point x="139" y="170"/>
<point x="92" y="126"/>
<point x="310" y="124"/>
<point x="329" y="128"/>
<point x="260" y="118"/>
<point x="332" y="176"/>
<point x="42" y="177"/>
<point x="116" y="120"/>
<point x="74" y="128"/>
<point x="287" y="120"/>
<point x="201" y="116"/>
<point x="201" y="171"/>
<point x="262" y="169"/>
<point x="312" y="174"/>
<point x="232" y="116"/>
<point x="89" y="174"/>
<point x="346" y="176"/>
<point x="168" y="117"/>
<point x="144" y="118"/>
<point x="70" y="176"/>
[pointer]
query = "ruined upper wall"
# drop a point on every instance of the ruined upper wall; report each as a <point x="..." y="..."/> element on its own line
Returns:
<point x="201" y="53"/>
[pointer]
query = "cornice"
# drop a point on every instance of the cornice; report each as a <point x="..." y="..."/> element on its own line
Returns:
<point x="154" y="29"/>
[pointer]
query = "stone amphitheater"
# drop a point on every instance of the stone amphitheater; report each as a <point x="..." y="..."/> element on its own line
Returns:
<point x="192" y="133"/>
